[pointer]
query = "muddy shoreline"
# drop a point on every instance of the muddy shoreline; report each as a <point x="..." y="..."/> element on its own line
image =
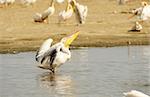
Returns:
<point x="25" y="45"/>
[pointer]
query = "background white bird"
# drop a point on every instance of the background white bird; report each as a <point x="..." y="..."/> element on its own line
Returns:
<point x="66" y="14"/>
<point x="145" y="15"/>
<point x="134" y="93"/>
<point x="143" y="12"/>
<point x="80" y="11"/>
<point x="28" y="2"/>
<point x="6" y="2"/>
<point x="54" y="56"/>
<point x="2" y="1"/>
<point x="44" y="16"/>
<point x="60" y="1"/>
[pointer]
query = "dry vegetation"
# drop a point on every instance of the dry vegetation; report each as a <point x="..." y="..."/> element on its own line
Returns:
<point x="106" y="25"/>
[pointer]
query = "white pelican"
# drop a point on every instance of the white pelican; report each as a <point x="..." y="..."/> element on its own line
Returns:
<point x="28" y="2"/>
<point x="146" y="12"/>
<point x="60" y="1"/>
<point x="80" y="10"/>
<point x="123" y="1"/>
<point x="134" y="93"/>
<point x="44" y="16"/>
<point x="55" y="55"/>
<point x="2" y="1"/>
<point x="137" y="27"/>
<point x="143" y="12"/>
<point x="66" y="14"/>
<point x="6" y="2"/>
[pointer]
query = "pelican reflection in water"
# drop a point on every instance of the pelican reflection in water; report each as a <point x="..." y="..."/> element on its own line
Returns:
<point x="56" y="85"/>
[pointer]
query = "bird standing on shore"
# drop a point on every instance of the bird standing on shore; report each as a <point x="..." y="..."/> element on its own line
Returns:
<point x="80" y="11"/>
<point x="60" y="1"/>
<point x="6" y="2"/>
<point x="143" y="12"/>
<point x="66" y="14"/>
<point x="134" y="93"/>
<point x="137" y="27"/>
<point x="51" y="57"/>
<point x="28" y="2"/>
<point x="44" y="16"/>
<point x="121" y="2"/>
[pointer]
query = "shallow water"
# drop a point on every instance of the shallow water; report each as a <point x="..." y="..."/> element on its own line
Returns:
<point x="91" y="72"/>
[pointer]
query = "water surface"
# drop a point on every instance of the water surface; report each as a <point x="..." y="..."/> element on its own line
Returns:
<point x="91" y="72"/>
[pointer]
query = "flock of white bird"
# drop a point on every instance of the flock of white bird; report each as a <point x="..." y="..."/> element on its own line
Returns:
<point x="9" y="2"/>
<point x="72" y="7"/>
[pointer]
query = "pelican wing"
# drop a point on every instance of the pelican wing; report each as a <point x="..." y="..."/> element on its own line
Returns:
<point x="49" y="57"/>
<point x="43" y="49"/>
<point x="49" y="54"/>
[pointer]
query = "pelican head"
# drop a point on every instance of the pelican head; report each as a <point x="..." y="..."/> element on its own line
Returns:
<point x="68" y="40"/>
<point x="73" y="3"/>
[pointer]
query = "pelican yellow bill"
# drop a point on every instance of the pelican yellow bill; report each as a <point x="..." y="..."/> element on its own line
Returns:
<point x="71" y="38"/>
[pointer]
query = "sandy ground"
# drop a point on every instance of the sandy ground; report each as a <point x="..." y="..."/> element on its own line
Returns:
<point x="107" y="25"/>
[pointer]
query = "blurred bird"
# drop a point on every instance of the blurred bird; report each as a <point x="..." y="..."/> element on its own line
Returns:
<point x="145" y="15"/>
<point x="121" y="2"/>
<point x="143" y="12"/>
<point x="28" y="2"/>
<point x="6" y="2"/>
<point x="43" y="17"/>
<point x="59" y="1"/>
<point x="66" y="14"/>
<point x="51" y="57"/>
<point x="134" y="93"/>
<point x="137" y="27"/>
<point x="80" y="11"/>
<point x="2" y="2"/>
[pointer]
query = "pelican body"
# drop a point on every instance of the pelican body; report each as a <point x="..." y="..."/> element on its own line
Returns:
<point x="66" y="14"/>
<point x="28" y="2"/>
<point x="136" y="28"/>
<point x="6" y="2"/>
<point x="44" y="16"/>
<point x="80" y="11"/>
<point x="60" y="1"/>
<point x="143" y="12"/>
<point x="134" y="93"/>
<point x="52" y="57"/>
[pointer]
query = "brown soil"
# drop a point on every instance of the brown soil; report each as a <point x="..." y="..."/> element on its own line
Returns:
<point x="107" y="25"/>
